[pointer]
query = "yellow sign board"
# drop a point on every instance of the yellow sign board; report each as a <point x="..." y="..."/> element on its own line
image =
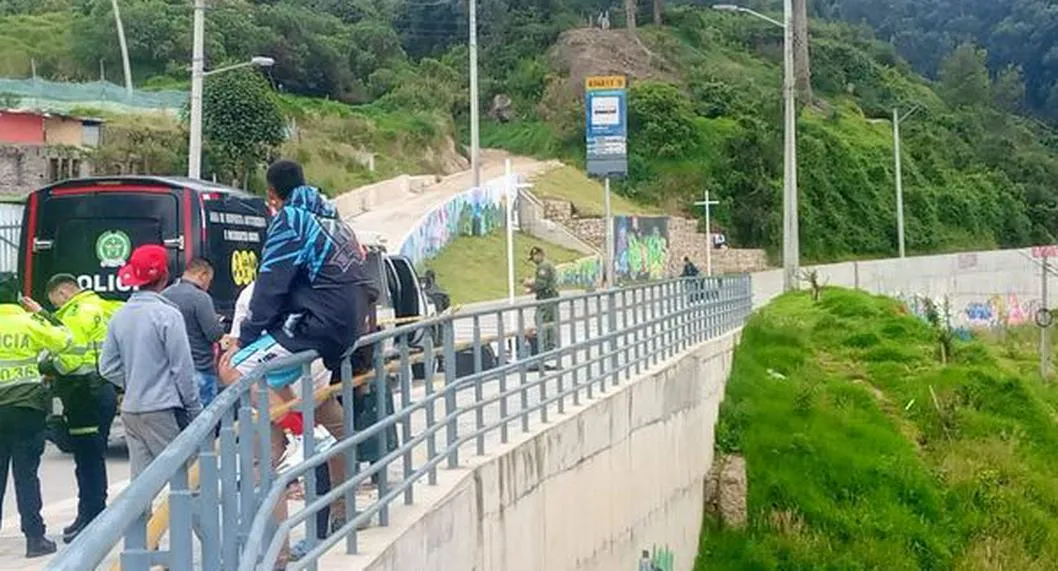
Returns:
<point x="605" y="82"/>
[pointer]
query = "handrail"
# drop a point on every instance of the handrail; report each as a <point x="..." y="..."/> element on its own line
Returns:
<point x="130" y="504"/>
<point x="612" y="334"/>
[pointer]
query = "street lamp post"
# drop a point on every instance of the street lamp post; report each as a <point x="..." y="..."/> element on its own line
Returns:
<point x="198" y="75"/>
<point x="791" y="247"/>
<point x="897" y="119"/>
<point x="898" y="174"/>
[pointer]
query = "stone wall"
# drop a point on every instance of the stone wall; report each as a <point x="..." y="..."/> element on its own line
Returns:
<point x="533" y="220"/>
<point x="23" y="168"/>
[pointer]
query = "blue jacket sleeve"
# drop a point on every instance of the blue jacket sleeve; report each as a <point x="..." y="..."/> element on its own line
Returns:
<point x="279" y="266"/>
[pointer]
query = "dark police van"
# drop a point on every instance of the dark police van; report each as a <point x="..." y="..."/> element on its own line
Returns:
<point x="88" y="227"/>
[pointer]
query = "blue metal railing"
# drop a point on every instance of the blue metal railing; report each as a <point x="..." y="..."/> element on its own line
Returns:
<point x="491" y="380"/>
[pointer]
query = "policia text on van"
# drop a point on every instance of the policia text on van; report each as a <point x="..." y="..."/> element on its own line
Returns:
<point x="88" y="228"/>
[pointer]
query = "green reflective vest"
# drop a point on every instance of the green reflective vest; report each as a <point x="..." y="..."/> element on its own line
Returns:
<point x="86" y="316"/>
<point x="23" y="337"/>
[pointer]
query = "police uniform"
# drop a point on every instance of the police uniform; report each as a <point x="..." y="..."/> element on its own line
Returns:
<point x="89" y="402"/>
<point x="545" y="286"/>
<point x="23" y="405"/>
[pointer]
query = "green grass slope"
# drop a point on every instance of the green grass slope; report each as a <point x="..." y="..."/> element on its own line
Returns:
<point x="474" y="268"/>
<point x="864" y="452"/>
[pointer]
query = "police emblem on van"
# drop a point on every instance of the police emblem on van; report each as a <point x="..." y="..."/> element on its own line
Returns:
<point x="113" y="248"/>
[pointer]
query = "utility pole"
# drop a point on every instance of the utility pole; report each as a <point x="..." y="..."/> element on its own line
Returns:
<point x="900" y="184"/>
<point x="658" y="9"/>
<point x="1045" y="337"/>
<point x="630" y="15"/>
<point x="708" y="231"/>
<point x="609" y="272"/>
<point x="194" y="151"/>
<point x="124" y="48"/>
<point x="791" y="234"/>
<point x="802" y="69"/>
<point x="475" y="141"/>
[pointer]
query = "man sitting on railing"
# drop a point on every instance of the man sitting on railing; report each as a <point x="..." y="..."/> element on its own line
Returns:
<point x="309" y="295"/>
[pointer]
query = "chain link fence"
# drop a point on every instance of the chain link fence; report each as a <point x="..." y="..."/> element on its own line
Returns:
<point x="62" y="96"/>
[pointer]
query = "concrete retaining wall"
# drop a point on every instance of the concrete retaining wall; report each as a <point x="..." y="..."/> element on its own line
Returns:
<point x="982" y="288"/>
<point x="591" y="491"/>
<point x="366" y="198"/>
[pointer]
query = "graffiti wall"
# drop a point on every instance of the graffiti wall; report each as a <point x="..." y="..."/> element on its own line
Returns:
<point x="998" y="310"/>
<point x="476" y="212"/>
<point x="641" y="247"/>
<point x="581" y="274"/>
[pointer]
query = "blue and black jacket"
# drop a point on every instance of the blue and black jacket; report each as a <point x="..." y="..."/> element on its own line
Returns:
<point x="312" y="283"/>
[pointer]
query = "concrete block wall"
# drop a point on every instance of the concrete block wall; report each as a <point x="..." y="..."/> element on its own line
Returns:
<point x="533" y="220"/>
<point x="623" y="474"/>
<point x="365" y="198"/>
<point x="983" y="288"/>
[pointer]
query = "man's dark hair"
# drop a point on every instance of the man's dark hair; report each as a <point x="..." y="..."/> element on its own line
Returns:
<point x="199" y="265"/>
<point x="686" y="260"/>
<point x="8" y="288"/>
<point x="284" y="176"/>
<point x="59" y="280"/>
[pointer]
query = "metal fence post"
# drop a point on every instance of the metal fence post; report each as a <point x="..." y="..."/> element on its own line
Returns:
<point x="308" y="443"/>
<point x="451" y="395"/>
<point x="209" y="505"/>
<point x="429" y="365"/>
<point x="348" y="429"/>
<point x="381" y="412"/>
<point x="405" y="424"/>
<point x="479" y="395"/>
<point x="611" y="301"/>
<point x="502" y="362"/>
<point x="180" y="545"/>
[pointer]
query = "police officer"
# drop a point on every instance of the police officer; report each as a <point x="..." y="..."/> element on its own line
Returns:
<point x="23" y="403"/>
<point x="545" y="286"/>
<point x="88" y="401"/>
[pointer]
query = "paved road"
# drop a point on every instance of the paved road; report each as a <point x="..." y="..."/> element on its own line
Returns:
<point x="59" y="491"/>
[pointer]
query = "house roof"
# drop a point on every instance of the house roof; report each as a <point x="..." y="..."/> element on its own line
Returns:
<point x="46" y="114"/>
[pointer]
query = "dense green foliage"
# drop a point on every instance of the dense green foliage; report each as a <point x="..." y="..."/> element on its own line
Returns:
<point x="975" y="175"/>
<point x="863" y="451"/>
<point x="1016" y="33"/>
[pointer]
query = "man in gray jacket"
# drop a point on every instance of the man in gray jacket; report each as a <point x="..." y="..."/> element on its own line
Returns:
<point x="190" y="296"/>
<point x="147" y="352"/>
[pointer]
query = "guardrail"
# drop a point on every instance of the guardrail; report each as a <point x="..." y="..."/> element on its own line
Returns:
<point x="487" y="390"/>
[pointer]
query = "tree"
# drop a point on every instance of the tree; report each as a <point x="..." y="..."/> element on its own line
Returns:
<point x="659" y="7"/>
<point x="964" y="76"/>
<point x="241" y="123"/>
<point x="1008" y="91"/>
<point x="630" y="14"/>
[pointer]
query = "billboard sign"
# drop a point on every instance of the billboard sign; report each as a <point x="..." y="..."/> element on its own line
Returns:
<point x="606" y="121"/>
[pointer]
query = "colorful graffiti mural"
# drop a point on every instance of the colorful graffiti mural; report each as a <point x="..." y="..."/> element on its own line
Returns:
<point x="583" y="273"/>
<point x="476" y="212"/>
<point x="658" y="559"/>
<point x="641" y="247"/>
<point x="1001" y="310"/>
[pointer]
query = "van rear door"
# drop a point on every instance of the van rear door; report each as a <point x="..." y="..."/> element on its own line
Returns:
<point x="91" y="231"/>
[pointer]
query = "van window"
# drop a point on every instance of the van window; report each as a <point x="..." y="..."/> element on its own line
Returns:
<point x="374" y="267"/>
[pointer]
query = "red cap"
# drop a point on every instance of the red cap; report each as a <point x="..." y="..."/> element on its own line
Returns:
<point x="147" y="265"/>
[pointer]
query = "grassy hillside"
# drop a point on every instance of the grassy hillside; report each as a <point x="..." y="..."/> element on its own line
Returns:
<point x="705" y="111"/>
<point x="586" y="195"/>
<point x="474" y="268"/>
<point x="865" y="452"/>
